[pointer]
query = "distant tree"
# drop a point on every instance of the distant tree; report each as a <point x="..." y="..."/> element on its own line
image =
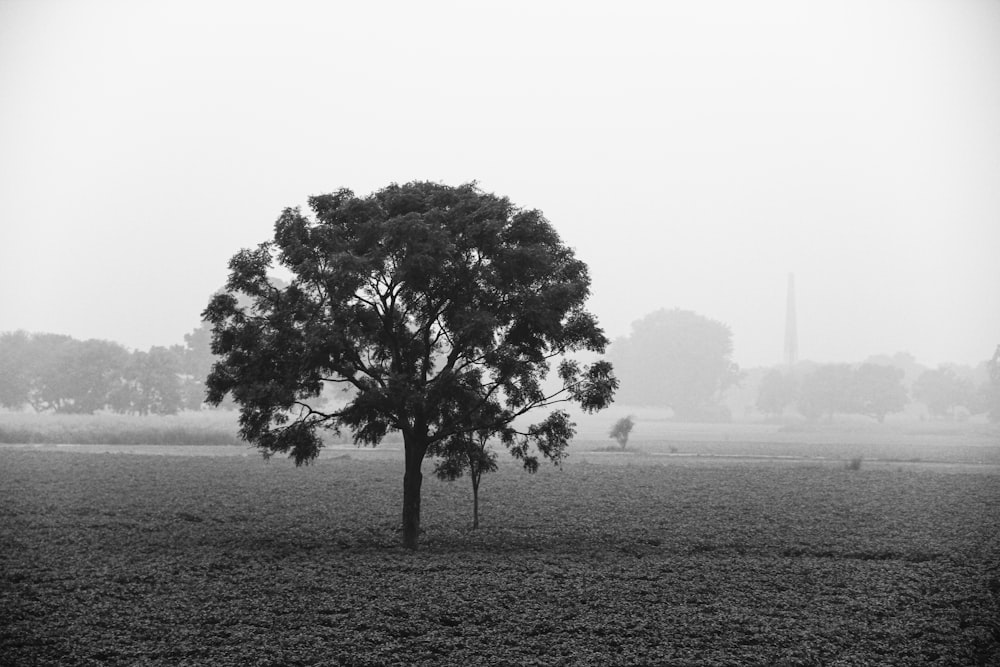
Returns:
<point x="677" y="359"/>
<point x="16" y="376"/>
<point x="942" y="390"/>
<point x="778" y="390"/>
<point x="622" y="429"/>
<point x="826" y="391"/>
<point x="877" y="390"/>
<point x="151" y="384"/>
<point x="904" y="361"/>
<point x="992" y="389"/>
<point x="435" y="303"/>
<point x="196" y="361"/>
<point x="78" y="377"/>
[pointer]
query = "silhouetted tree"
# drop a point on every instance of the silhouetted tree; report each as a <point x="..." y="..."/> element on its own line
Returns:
<point x="435" y="303"/>
<point x="677" y="359"/>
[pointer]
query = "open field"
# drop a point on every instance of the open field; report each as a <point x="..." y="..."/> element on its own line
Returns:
<point x="612" y="559"/>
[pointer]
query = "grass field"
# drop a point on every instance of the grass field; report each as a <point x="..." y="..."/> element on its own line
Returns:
<point x="642" y="557"/>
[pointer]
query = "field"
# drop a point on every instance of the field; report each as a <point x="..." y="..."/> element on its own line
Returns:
<point x="696" y="549"/>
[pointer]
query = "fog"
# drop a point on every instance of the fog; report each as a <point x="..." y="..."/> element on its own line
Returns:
<point x="694" y="154"/>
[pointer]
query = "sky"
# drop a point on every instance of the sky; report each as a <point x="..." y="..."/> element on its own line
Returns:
<point x="693" y="153"/>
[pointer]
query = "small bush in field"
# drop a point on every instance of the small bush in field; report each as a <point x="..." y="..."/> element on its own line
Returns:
<point x="621" y="430"/>
<point x="855" y="463"/>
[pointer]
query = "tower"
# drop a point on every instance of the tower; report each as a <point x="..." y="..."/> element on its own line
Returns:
<point x="791" y="334"/>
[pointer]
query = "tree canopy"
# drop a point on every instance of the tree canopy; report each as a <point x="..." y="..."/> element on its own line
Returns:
<point x="942" y="390"/>
<point x="441" y="307"/>
<point x="57" y="373"/>
<point x="677" y="359"/>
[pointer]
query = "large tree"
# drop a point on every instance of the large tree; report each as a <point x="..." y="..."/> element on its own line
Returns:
<point x="877" y="390"/>
<point x="942" y="390"/>
<point x="826" y="390"/>
<point x="442" y="307"/>
<point x="151" y="383"/>
<point x="677" y="359"/>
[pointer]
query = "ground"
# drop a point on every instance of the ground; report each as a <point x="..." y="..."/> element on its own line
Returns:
<point x="692" y="551"/>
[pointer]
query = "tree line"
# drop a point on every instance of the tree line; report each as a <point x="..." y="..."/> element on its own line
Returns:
<point x="879" y="388"/>
<point x="60" y="374"/>
<point x="681" y="360"/>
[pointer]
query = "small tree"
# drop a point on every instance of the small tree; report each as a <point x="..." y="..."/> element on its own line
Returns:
<point x="621" y="430"/>
<point x="467" y="452"/>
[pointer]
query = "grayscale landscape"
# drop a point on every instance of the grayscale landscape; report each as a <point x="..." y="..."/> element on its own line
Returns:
<point x="521" y="334"/>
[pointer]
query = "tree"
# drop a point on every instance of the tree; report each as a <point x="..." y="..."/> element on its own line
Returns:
<point x="151" y="383"/>
<point x="825" y="391"/>
<point x="677" y="359"/>
<point x="78" y="377"/>
<point x="196" y="361"/>
<point x="877" y="390"/>
<point x="621" y="430"/>
<point x="942" y="390"/>
<point x="777" y="391"/>
<point x="442" y="307"/>
<point x="15" y="369"/>
<point x="992" y="387"/>
<point x="466" y="452"/>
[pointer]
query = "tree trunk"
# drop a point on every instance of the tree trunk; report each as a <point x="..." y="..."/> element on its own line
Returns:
<point x="412" y="478"/>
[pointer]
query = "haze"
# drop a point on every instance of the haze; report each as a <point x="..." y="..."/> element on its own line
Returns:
<point x="693" y="153"/>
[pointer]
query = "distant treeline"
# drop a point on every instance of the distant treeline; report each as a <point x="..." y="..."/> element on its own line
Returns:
<point x="881" y="387"/>
<point x="60" y="374"/>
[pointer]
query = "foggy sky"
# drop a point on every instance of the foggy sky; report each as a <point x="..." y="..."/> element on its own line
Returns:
<point x="694" y="153"/>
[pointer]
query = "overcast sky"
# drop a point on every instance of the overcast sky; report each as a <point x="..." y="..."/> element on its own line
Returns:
<point x="694" y="153"/>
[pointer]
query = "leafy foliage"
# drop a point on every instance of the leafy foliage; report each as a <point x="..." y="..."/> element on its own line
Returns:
<point x="441" y="307"/>
<point x="677" y="359"/>
<point x="463" y="453"/>
<point x="55" y="373"/>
